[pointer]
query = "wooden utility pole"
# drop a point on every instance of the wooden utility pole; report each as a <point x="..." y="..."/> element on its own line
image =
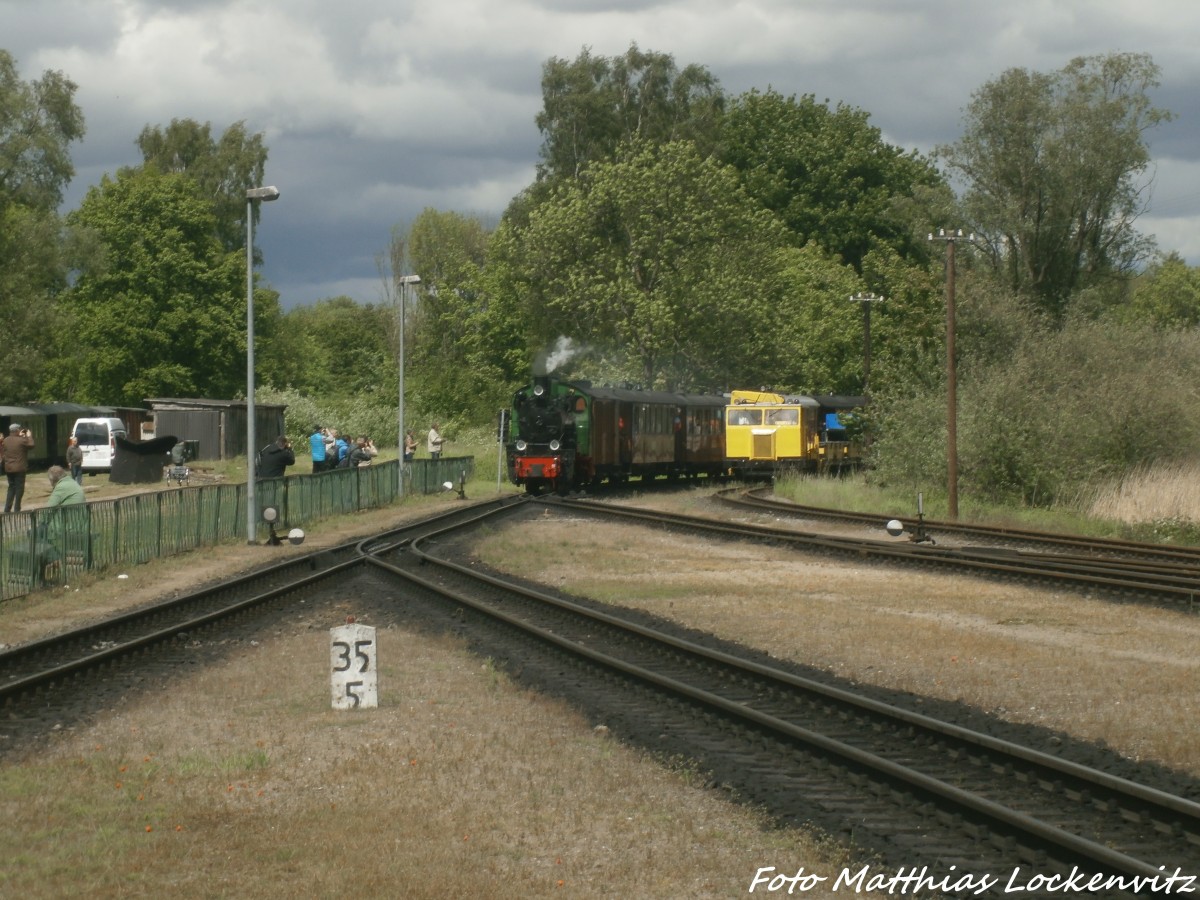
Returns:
<point x="866" y="300"/>
<point x="951" y="238"/>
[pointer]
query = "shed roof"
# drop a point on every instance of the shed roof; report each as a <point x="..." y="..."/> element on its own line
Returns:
<point x="195" y="403"/>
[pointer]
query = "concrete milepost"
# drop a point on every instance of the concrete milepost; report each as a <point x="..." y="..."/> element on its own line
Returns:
<point x="354" y="679"/>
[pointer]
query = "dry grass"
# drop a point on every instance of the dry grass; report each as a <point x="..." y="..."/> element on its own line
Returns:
<point x="240" y="781"/>
<point x="461" y="785"/>
<point x="1101" y="671"/>
<point x="1164" y="492"/>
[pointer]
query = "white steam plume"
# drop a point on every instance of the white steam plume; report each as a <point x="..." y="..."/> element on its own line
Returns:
<point x="549" y="360"/>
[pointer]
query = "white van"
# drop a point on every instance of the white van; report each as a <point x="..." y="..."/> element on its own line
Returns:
<point x="98" y="440"/>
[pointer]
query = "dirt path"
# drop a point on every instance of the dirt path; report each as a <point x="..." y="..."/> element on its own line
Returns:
<point x="101" y="487"/>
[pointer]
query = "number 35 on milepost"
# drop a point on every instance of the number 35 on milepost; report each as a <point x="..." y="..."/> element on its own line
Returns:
<point x="354" y="679"/>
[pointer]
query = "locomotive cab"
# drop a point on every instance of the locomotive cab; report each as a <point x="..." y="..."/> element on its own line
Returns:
<point x="768" y="433"/>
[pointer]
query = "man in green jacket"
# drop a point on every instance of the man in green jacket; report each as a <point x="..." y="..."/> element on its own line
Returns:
<point x="63" y="491"/>
<point x="63" y="524"/>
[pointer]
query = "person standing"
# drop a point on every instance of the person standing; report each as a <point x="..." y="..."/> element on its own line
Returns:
<point x="435" y="441"/>
<point x="341" y="451"/>
<point x="316" y="443"/>
<point x="75" y="459"/>
<point x="410" y="446"/>
<point x="16" y="463"/>
<point x="275" y="458"/>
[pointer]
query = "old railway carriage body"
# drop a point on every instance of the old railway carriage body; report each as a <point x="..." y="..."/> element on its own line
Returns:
<point x="567" y="435"/>
<point x="767" y="432"/>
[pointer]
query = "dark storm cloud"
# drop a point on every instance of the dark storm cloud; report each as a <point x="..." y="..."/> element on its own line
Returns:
<point x="376" y="109"/>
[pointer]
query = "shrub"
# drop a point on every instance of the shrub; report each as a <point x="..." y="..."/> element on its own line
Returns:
<point x="1065" y="409"/>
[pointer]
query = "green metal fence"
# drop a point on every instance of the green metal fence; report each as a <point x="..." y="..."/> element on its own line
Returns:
<point x="46" y="547"/>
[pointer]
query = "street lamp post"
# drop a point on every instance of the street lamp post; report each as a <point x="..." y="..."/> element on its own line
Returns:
<point x="263" y="194"/>
<point x="404" y="281"/>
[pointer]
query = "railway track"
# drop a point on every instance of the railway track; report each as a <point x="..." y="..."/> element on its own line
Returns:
<point x="39" y="668"/>
<point x="759" y="500"/>
<point x="906" y="785"/>
<point x="1172" y="580"/>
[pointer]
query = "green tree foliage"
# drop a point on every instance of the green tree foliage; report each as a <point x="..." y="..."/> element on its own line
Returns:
<point x="660" y="259"/>
<point x="165" y="313"/>
<point x="223" y="168"/>
<point x="828" y="174"/>
<point x="368" y="415"/>
<point x="1167" y="295"/>
<point x="592" y="105"/>
<point x="335" y="348"/>
<point x="908" y="329"/>
<point x="454" y="334"/>
<point x="38" y="122"/>
<point x="818" y="330"/>
<point x="1052" y="164"/>
<point x="1070" y="407"/>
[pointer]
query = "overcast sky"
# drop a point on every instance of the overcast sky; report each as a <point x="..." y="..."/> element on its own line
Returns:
<point x="373" y="110"/>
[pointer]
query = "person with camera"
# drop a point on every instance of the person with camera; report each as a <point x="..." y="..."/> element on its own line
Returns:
<point x="15" y="454"/>
<point x="435" y="441"/>
<point x="275" y="458"/>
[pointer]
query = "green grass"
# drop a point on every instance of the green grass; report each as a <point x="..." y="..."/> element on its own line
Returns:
<point x="856" y="494"/>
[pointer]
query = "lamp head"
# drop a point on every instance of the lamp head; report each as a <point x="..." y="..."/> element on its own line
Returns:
<point x="262" y="193"/>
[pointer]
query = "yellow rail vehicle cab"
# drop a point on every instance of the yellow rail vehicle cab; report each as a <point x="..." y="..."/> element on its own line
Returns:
<point x="765" y="432"/>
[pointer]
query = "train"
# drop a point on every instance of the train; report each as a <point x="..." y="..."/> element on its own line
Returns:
<point x="565" y="436"/>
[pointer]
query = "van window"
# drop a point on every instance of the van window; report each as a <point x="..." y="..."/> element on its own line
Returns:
<point x="91" y="434"/>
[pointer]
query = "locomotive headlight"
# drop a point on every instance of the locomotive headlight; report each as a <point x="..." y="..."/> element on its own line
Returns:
<point x="554" y="445"/>
<point x="538" y="390"/>
<point x="522" y="446"/>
